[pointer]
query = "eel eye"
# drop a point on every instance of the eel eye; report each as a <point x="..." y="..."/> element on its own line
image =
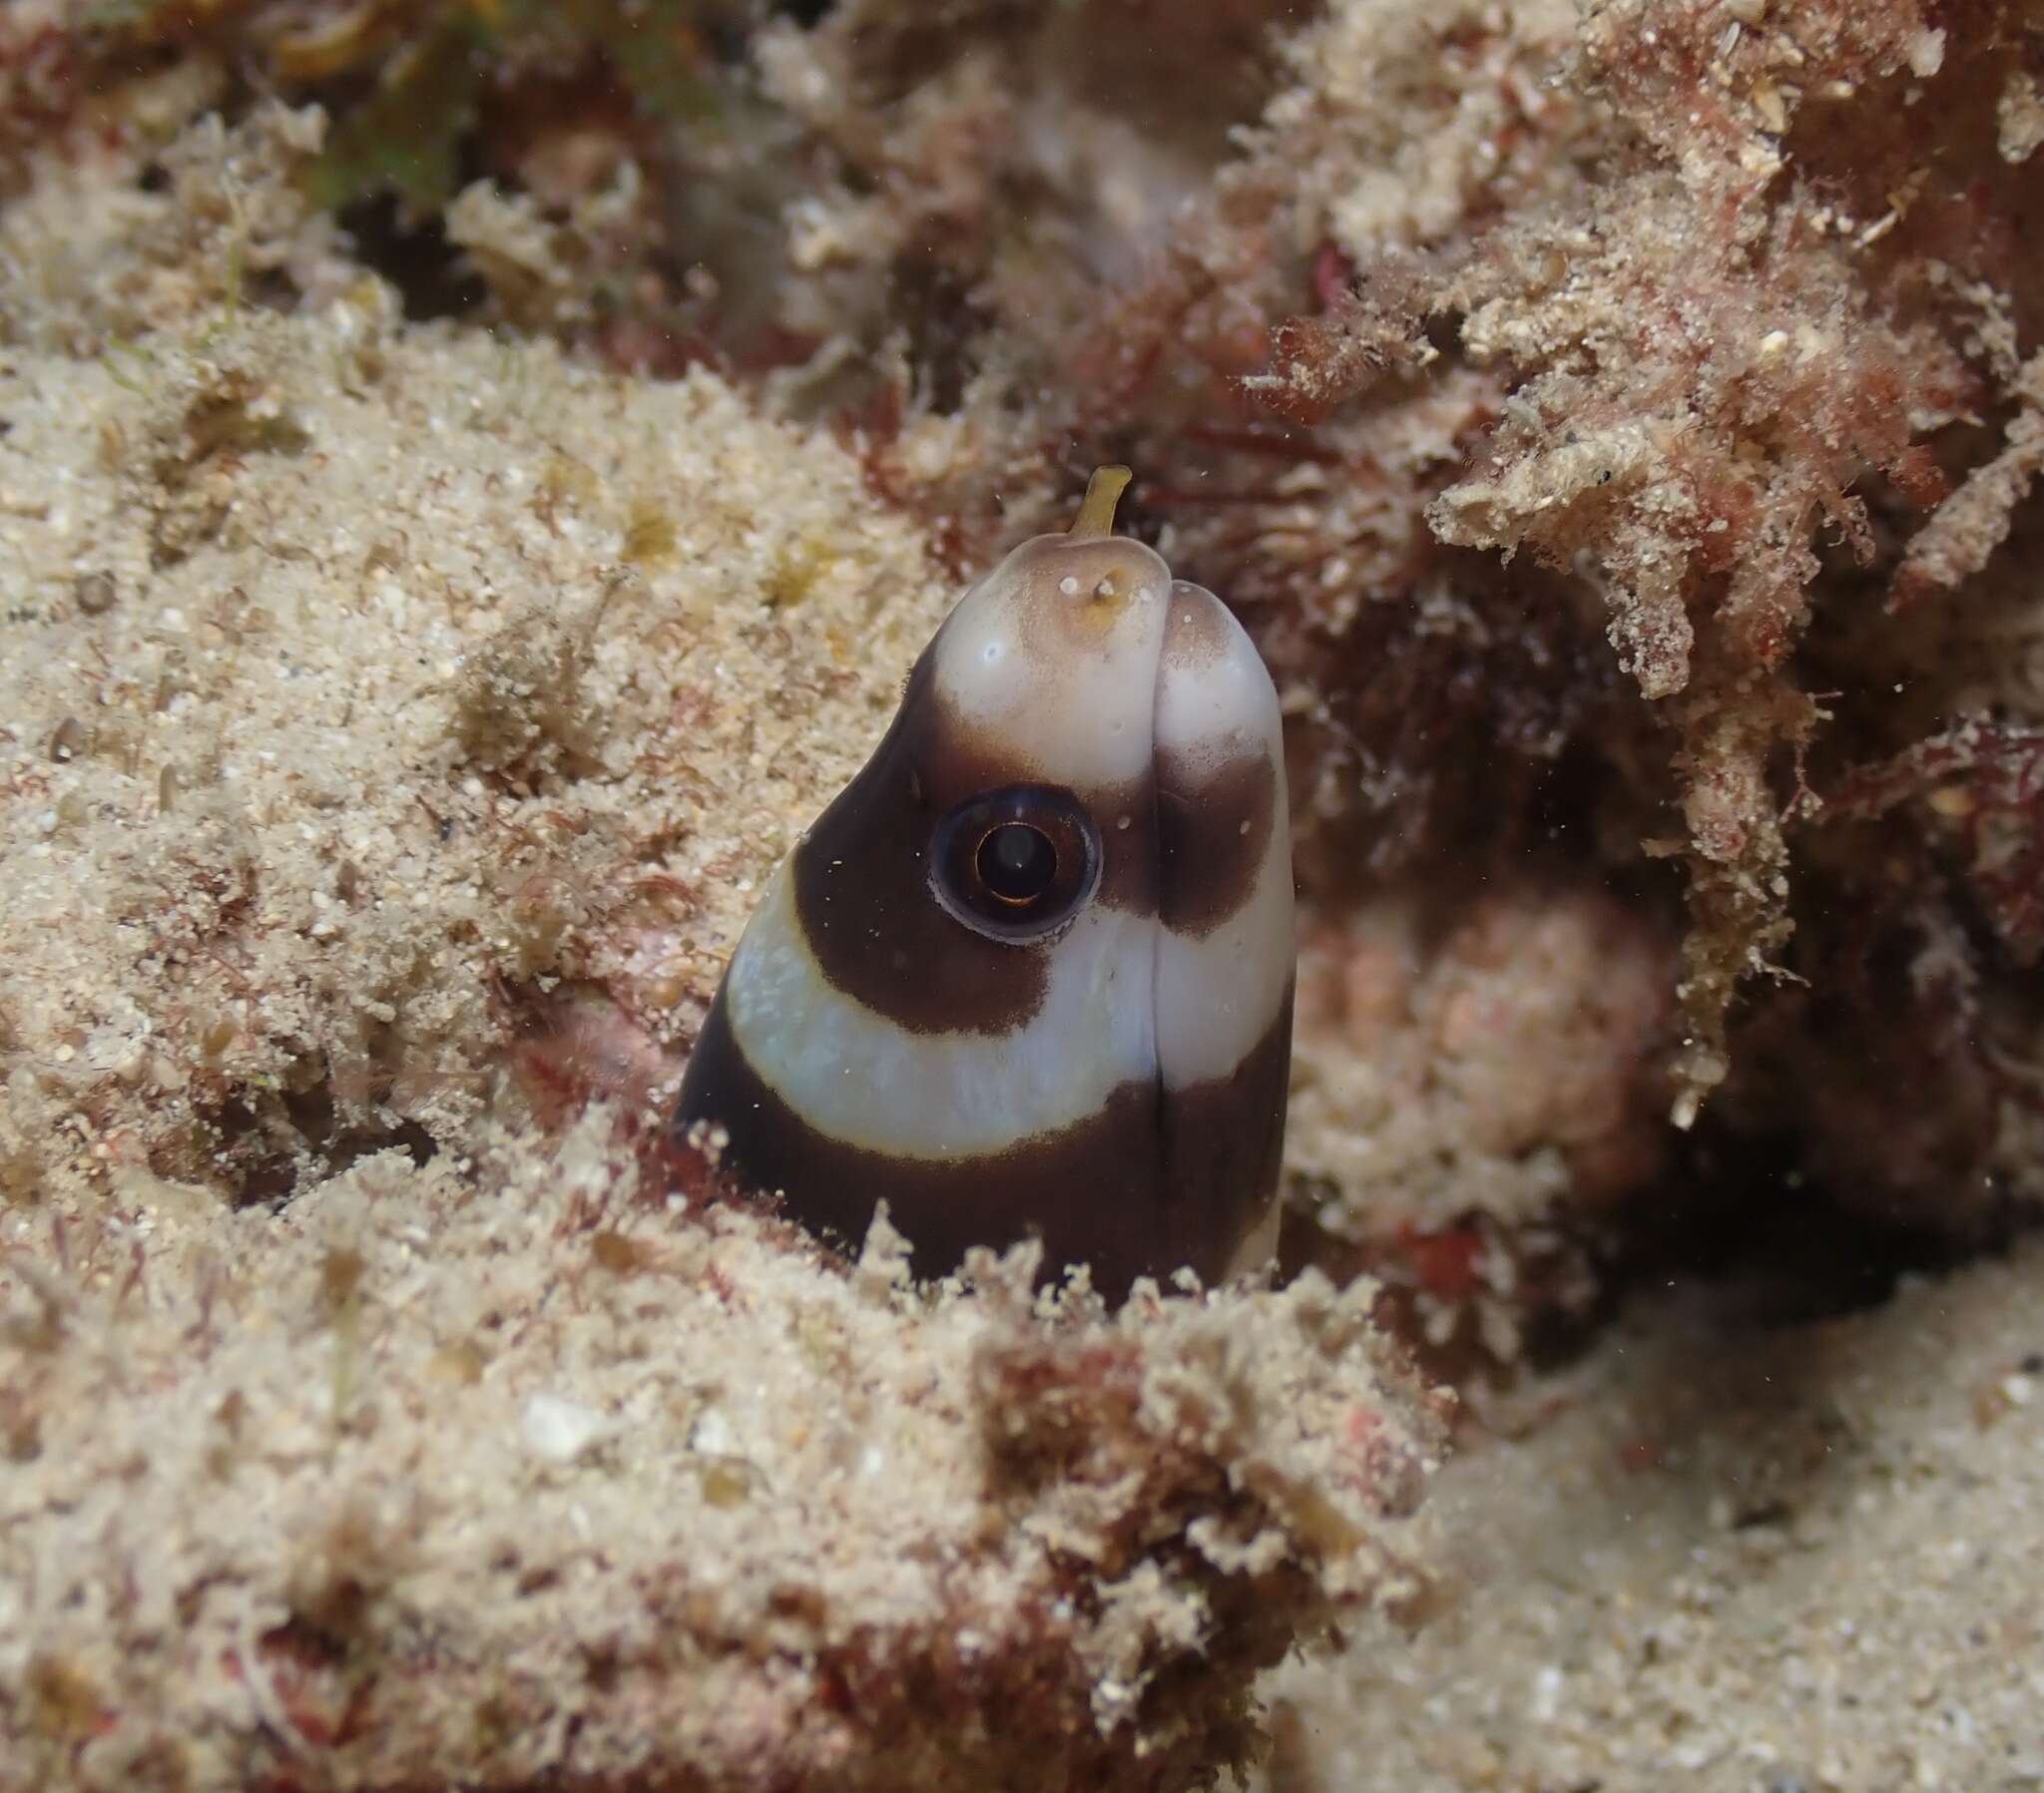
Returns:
<point x="1016" y="864"/>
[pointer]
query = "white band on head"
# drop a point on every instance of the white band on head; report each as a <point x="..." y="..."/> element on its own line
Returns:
<point x="869" y="1082"/>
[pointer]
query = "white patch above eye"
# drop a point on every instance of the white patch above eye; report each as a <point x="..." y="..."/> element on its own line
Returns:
<point x="1214" y="699"/>
<point x="1069" y="671"/>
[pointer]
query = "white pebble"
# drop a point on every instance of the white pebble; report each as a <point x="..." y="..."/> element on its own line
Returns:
<point x="559" y="1430"/>
<point x="712" y="1435"/>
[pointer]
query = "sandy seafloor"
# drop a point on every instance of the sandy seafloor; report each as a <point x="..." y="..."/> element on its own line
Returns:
<point x="1727" y="1557"/>
<point x="396" y="723"/>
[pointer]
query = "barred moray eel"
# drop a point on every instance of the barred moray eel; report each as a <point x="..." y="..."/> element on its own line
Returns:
<point x="1031" y="971"/>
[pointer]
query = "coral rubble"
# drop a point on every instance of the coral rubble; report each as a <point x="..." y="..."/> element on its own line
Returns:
<point x="470" y="480"/>
<point x="396" y="724"/>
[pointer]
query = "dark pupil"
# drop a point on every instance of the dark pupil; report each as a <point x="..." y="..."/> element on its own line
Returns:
<point x="1017" y="863"/>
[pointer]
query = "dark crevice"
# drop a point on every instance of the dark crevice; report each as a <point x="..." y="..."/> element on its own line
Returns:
<point x="432" y="274"/>
<point x="1771" y="1246"/>
<point x="1783" y="1247"/>
<point x="265" y="1149"/>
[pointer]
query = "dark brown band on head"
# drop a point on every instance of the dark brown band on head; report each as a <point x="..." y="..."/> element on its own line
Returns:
<point x="1146" y="1185"/>
<point x="1223" y="1145"/>
<point x="1212" y="833"/>
<point x="862" y="877"/>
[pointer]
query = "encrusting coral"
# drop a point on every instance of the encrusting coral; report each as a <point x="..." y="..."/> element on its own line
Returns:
<point x="1633" y="416"/>
<point x="507" y="1478"/>
<point x="1741" y="333"/>
<point x="1559" y="396"/>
